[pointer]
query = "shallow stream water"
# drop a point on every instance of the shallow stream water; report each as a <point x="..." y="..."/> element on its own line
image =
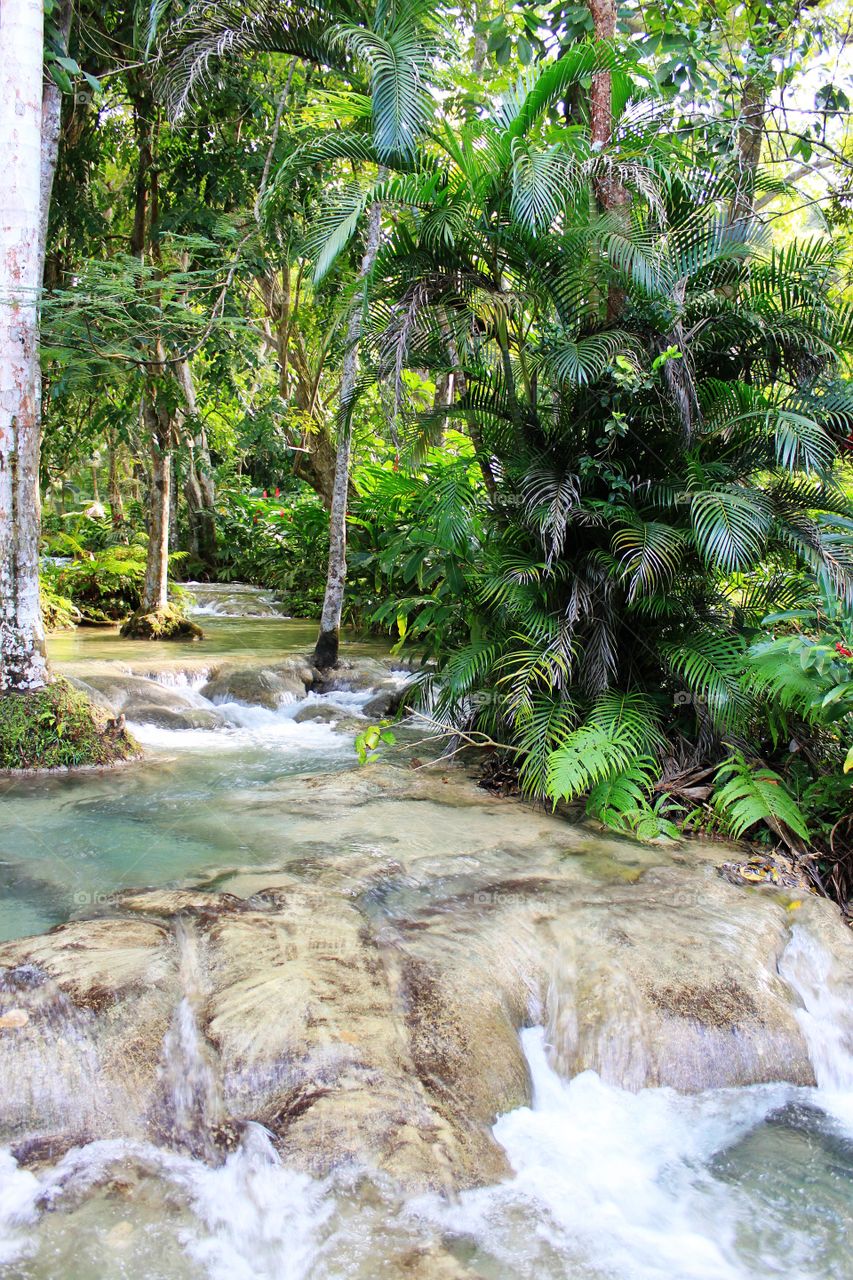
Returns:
<point x="604" y="1183"/>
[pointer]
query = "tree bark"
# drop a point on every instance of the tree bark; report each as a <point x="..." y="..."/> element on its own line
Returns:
<point x="113" y="487"/>
<point x="22" y="651"/>
<point x="608" y="189"/>
<point x="155" y="594"/>
<point x="51" y="127"/>
<point x="199" y="487"/>
<point x="328" y="641"/>
<point x="750" y="137"/>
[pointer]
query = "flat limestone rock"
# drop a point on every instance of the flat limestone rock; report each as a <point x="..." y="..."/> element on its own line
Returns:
<point x="98" y="995"/>
<point x="364" y="1003"/>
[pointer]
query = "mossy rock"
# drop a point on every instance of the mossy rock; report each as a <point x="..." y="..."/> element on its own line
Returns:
<point x="161" y="624"/>
<point x="59" y="727"/>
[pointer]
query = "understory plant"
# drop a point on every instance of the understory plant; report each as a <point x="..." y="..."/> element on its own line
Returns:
<point x="102" y="586"/>
<point x="656" y="399"/>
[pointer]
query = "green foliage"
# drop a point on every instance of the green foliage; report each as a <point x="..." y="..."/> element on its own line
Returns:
<point x="644" y="498"/>
<point x="618" y="735"/>
<point x="748" y="794"/>
<point x="58" y="612"/>
<point x="99" y="586"/>
<point x="105" y="586"/>
<point x="367" y="743"/>
<point x="275" y="541"/>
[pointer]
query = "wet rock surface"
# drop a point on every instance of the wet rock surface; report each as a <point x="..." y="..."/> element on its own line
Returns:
<point x="192" y="685"/>
<point x="262" y="687"/>
<point x="363" y="1001"/>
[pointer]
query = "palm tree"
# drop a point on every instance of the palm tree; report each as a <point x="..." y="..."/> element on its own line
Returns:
<point x="662" y="480"/>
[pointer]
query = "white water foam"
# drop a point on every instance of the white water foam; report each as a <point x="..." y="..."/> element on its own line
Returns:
<point x="615" y="1184"/>
<point x="19" y="1190"/>
<point x="193" y="679"/>
<point x="259" y="1219"/>
<point x="826" y="1018"/>
<point x="250" y="1218"/>
<point x="607" y="1185"/>
<point x="253" y="727"/>
<point x="246" y="726"/>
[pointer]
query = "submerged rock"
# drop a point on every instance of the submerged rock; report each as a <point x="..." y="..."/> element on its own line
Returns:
<point x="258" y="687"/>
<point x="175" y="717"/>
<point x="362" y="1001"/>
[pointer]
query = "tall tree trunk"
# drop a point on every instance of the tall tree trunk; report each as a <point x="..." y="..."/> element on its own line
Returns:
<point x="156" y="415"/>
<point x="155" y="594"/>
<point x="753" y="107"/>
<point x="173" y="502"/>
<point x="22" y="653"/>
<point x="199" y="488"/>
<point x="328" y="641"/>
<point x="609" y="191"/>
<point x="113" y="487"/>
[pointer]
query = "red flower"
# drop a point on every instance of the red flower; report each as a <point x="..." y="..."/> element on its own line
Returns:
<point x="843" y="650"/>
<point x="265" y="493"/>
<point x="281" y="513"/>
<point x="277" y="492"/>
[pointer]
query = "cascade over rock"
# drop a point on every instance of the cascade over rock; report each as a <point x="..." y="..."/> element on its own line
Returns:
<point x="365" y="1010"/>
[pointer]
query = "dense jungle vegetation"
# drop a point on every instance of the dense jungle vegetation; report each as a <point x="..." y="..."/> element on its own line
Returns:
<point x="517" y="333"/>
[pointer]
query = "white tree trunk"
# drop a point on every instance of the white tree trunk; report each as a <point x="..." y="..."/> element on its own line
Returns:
<point x="22" y="653"/>
<point x="328" y="641"/>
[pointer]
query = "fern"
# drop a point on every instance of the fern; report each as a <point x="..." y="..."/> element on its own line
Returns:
<point x="711" y="666"/>
<point x="621" y="793"/>
<point x="748" y="794"/>
<point x="620" y="733"/>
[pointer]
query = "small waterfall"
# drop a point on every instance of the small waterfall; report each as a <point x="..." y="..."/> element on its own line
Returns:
<point x="809" y="968"/>
<point x="194" y="1113"/>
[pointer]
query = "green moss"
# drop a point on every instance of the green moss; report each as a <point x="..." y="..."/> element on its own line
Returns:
<point x="161" y="624"/>
<point x="59" y="727"/>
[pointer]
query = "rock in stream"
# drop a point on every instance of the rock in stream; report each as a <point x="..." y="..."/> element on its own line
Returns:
<point x="365" y="1008"/>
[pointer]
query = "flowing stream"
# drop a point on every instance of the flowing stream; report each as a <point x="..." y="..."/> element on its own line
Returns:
<point x="595" y="1167"/>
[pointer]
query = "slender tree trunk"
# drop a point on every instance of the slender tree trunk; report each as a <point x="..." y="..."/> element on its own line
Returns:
<point x="155" y="594"/>
<point x="51" y="127"/>
<point x="199" y="488"/>
<point x="22" y="652"/>
<point x="750" y="137"/>
<point x="113" y="487"/>
<point x="609" y="191"/>
<point x="173" y="502"/>
<point x="328" y="641"/>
